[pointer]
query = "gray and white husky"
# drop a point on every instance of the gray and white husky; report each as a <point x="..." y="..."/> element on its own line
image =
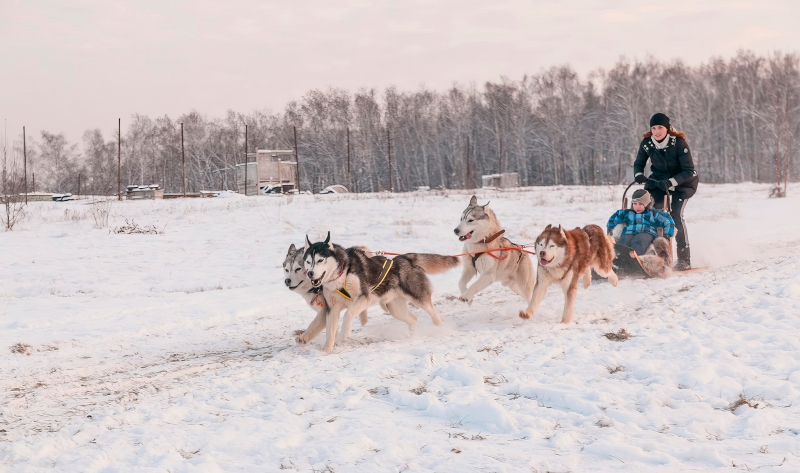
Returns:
<point x="352" y="280"/>
<point x="480" y="230"/>
<point x="296" y="280"/>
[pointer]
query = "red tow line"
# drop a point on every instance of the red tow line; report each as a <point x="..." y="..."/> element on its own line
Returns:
<point x="521" y="249"/>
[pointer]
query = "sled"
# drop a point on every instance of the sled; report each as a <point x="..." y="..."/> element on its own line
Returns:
<point x="627" y="263"/>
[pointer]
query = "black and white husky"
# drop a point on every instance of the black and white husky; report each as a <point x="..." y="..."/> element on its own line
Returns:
<point x="351" y="279"/>
<point x="296" y="280"/>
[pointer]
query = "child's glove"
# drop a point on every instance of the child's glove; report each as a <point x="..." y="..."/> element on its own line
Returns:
<point x="640" y="179"/>
<point x="664" y="185"/>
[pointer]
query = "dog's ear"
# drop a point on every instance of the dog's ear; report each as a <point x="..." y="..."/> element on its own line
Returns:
<point x="548" y="227"/>
<point x="292" y="249"/>
<point x="328" y="238"/>
<point x="486" y="204"/>
<point x="308" y="244"/>
<point x="562" y="232"/>
<point x="473" y="201"/>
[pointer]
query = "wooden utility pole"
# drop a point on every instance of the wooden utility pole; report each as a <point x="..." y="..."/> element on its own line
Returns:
<point x="25" y="163"/>
<point x="500" y="158"/>
<point x="467" y="167"/>
<point x="183" y="163"/>
<point x="79" y="185"/>
<point x="245" y="161"/>
<point x="119" y="159"/>
<point x="389" y="146"/>
<point x="349" y="174"/>
<point x="297" y="160"/>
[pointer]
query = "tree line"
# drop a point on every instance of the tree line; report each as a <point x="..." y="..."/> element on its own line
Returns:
<point x="741" y="116"/>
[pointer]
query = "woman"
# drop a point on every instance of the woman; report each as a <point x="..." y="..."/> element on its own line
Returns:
<point x="672" y="171"/>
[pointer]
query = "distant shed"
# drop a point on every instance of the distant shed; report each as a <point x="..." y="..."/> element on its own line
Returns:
<point x="275" y="170"/>
<point x="38" y="196"/>
<point x="505" y="180"/>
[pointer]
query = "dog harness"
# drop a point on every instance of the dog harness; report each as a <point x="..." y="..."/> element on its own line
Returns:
<point x="387" y="265"/>
<point x="316" y="301"/>
<point x="489" y="239"/>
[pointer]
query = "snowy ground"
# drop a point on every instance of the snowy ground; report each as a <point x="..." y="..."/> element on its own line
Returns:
<point x="174" y="352"/>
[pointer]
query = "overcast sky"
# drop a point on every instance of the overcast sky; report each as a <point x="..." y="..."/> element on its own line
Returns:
<point x="69" y="66"/>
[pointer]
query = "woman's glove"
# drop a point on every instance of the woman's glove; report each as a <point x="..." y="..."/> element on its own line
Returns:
<point x="664" y="185"/>
<point x="640" y="179"/>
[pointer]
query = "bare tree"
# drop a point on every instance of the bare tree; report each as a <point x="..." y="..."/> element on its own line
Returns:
<point x="12" y="181"/>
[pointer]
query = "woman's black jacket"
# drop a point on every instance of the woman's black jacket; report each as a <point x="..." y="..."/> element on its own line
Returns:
<point x="672" y="163"/>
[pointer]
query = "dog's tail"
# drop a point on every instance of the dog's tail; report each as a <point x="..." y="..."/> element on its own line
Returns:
<point x="661" y="245"/>
<point x="433" y="264"/>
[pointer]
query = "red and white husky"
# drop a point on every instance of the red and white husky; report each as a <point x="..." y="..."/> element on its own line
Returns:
<point x="565" y="256"/>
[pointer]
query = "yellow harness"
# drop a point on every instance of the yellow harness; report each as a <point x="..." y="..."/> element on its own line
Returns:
<point x="387" y="265"/>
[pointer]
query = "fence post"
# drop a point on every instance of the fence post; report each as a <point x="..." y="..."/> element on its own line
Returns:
<point x="500" y="159"/>
<point x="349" y="173"/>
<point x="183" y="163"/>
<point x="25" y="163"/>
<point x="389" y="145"/>
<point x="246" y="159"/>
<point x="297" y="160"/>
<point x="468" y="170"/>
<point x="119" y="159"/>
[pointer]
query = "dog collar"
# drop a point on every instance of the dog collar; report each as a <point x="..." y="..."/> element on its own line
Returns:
<point x="315" y="290"/>
<point x="491" y="238"/>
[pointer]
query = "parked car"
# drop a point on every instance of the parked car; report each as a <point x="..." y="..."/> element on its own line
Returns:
<point x="272" y="189"/>
<point x="335" y="189"/>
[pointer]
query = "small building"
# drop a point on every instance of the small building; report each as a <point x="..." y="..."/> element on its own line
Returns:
<point x="152" y="191"/>
<point x="505" y="180"/>
<point x="267" y="171"/>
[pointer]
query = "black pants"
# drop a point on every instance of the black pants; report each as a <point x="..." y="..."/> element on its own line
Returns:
<point x="640" y="242"/>
<point x="678" y="206"/>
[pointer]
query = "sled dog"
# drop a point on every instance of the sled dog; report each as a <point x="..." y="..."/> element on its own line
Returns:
<point x="658" y="265"/>
<point x="297" y="281"/>
<point x="480" y="230"/>
<point x="657" y="261"/>
<point x="350" y="279"/>
<point x="564" y="256"/>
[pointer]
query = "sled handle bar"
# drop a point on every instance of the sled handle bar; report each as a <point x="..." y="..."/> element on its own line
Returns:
<point x="667" y="202"/>
<point x="625" y="195"/>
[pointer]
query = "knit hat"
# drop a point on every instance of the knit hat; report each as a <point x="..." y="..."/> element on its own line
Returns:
<point x="659" y="119"/>
<point x="643" y="197"/>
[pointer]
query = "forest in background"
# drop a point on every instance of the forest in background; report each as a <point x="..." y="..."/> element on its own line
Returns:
<point x="741" y="116"/>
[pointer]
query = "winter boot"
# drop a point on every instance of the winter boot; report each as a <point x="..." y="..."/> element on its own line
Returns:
<point x="683" y="259"/>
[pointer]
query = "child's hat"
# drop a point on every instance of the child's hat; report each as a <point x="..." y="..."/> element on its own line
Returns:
<point x="643" y="197"/>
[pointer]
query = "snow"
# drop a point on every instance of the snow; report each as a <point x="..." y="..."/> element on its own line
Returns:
<point x="175" y="351"/>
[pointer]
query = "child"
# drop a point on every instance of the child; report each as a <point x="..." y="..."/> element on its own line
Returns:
<point x="641" y="223"/>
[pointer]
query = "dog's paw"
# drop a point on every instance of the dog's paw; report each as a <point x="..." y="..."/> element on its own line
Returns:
<point x="525" y="315"/>
<point x="300" y="340"/>
<point x="412" y="328"/>
<point x="613" y="279"/>
<point x="468" y="300"/>
<point x="328" y="349"/>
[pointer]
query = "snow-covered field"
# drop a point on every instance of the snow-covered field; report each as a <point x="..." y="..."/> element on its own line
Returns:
<point x="174" y="352"/>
